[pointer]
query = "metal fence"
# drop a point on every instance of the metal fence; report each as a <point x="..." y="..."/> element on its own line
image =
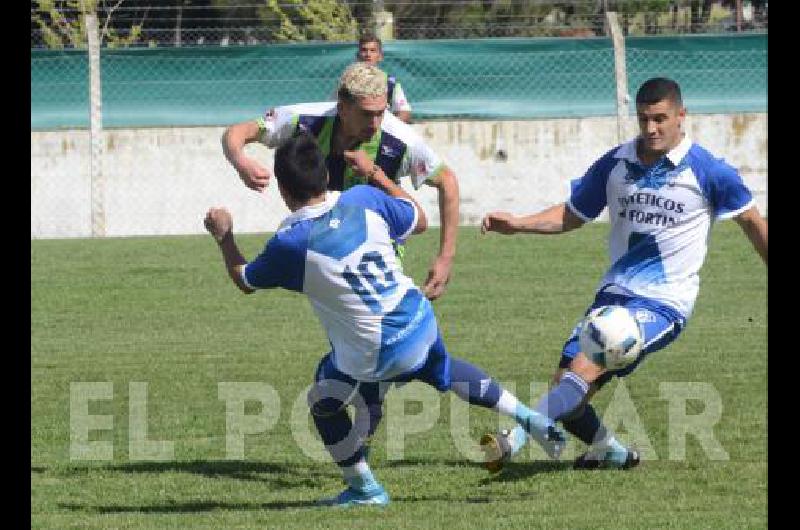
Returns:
<point x="149" y="156"/>
<point x="248" y="22"/>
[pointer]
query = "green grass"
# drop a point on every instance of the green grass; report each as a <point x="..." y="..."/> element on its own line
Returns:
<point x="162" y="311"/>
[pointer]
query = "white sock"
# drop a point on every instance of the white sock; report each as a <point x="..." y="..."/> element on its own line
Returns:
<point x="507" y="404"/>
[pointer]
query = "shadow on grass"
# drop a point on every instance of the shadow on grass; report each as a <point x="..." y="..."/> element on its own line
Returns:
<point x="208" y="506"/>
<point x="191" y="507"/>
<point x="512" y="470"/>
<point x="279" y="475"/>
<point x="521" y="470"/>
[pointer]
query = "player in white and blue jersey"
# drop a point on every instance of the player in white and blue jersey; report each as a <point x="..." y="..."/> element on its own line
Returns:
<point x="336" y="248"/>
<point x="370" y="50"/>
<point x="663" y="192"/>
<point x="358" y="136"/>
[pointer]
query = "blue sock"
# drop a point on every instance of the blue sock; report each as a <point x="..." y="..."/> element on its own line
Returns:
<point x="588" y="428"/>
<point x="564" y="398"/>
<point x="475" y="386"/>
<point x="585" y="425"/>
<point x="333" y="430"/>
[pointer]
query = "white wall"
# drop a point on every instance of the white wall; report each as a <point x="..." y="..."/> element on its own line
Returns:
<point x="162" y="180"/>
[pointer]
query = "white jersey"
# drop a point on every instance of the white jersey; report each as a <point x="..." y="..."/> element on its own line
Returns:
<point x="396" y="147"/>
<point x="660" y="217"/>
<point x="397" y="97"/>
<point x="339" y="253"/>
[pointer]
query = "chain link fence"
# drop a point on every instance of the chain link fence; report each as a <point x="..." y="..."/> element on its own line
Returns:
<point x="164" y="109"/>
<point x="150" y="23"/>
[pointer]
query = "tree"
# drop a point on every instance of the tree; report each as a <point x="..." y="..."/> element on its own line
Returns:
<point x="299" y="20"/>
<point x="62" y="23"/>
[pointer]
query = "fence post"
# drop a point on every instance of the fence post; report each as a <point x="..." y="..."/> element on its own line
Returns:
<point x="96" y="130"/>
<point x="621" y="74"/>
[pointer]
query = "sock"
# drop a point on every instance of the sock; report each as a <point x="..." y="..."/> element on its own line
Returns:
<point x="472" y="384"/>
<point x="509" y="405"/>
<point x="585" y="425"/>
<point x="564" y="398"/>
<point x="610" y="449"/>
<point x="359" y="477"/>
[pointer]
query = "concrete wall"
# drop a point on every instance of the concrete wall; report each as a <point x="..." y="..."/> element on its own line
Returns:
<point x="162" y="180"/>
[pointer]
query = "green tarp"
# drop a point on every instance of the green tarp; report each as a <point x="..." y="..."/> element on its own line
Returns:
<point x="478" y="78"/>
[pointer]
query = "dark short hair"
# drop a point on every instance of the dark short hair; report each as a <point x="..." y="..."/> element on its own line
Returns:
<point x="658" y="89"/>
<point x="300" y="167"/>
<point x="369" y="36"/>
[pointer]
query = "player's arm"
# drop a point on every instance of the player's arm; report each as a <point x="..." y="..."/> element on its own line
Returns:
<point x="400" y="106"/>
<point x="364" y="166"/>
<point x="404" y="115"/>
<point x="439" y="274"/>
<point x="254" y="175"/>
<point x="755" y="227"/>
<point x="554" y="220"/>
<point x="219" y="224"/>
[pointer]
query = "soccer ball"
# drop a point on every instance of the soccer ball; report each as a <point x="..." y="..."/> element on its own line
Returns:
<point x="611" y="337"/>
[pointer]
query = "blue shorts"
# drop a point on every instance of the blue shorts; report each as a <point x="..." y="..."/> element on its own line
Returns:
<point x="661" y="323"/>
<point x="435" y="371"/>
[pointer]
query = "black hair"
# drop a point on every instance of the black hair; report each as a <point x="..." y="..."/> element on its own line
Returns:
<point x="300" y="167"/>
<point x="658" y="89"/>
<point x="369" y="37"/>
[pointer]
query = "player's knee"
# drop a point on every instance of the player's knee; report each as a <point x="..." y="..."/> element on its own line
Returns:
<point x="322" y="406"/>
<point x="587" y="369"/>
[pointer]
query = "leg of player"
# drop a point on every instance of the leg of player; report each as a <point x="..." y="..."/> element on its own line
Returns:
<point x="578" y="378"/>
<point x="345" y="441"/>
<point x="473" y="385"/>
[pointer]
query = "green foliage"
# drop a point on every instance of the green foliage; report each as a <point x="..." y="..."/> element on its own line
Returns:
<point x="301" y="20"/>
<point x="63" y="26"/>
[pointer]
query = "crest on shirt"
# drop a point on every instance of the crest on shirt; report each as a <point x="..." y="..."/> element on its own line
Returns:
<point x="654" y="177"/>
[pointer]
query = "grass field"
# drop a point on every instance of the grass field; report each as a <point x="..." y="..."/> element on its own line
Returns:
<point x="163" y="312"/>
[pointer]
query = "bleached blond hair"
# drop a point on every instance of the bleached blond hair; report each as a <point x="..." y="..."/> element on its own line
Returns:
<point x="362" y="80"/>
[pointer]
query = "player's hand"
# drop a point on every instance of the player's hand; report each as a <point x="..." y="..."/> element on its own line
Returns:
<point x="218" y="222"/>
<point x="254" y="175"/>
<point x="500" y="222"/>
<point x="361" y="163"/>
<point x="438" y="276"/>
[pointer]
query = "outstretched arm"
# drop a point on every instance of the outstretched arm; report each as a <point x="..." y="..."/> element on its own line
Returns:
<point x="219" y="224"/>
<point x="254" y="175"/>
<point x="554" y="220"/>
<point x="439" y="273"/>
<point x="755" y="227"/>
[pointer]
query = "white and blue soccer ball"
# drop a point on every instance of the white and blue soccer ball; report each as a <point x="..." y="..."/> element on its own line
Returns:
<point x="611" y="337"/>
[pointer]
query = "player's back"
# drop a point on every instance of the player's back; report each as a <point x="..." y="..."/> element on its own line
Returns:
<point x="378" y="322"/>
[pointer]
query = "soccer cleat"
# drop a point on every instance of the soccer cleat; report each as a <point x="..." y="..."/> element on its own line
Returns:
<point x="353" y="497"/>
<point x="496" y="449"/>
<point x="501" y="447"/>
<point x="593" y="461"/>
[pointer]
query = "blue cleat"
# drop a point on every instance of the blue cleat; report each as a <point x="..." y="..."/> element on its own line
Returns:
<point x="353" y="497"/>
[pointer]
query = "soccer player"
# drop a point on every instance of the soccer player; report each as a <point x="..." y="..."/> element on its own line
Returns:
<point x="663" y="192"/>
<point x="359" y="139"/>
<point x="336" y="249"/>
<point x="370" y="50"/>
